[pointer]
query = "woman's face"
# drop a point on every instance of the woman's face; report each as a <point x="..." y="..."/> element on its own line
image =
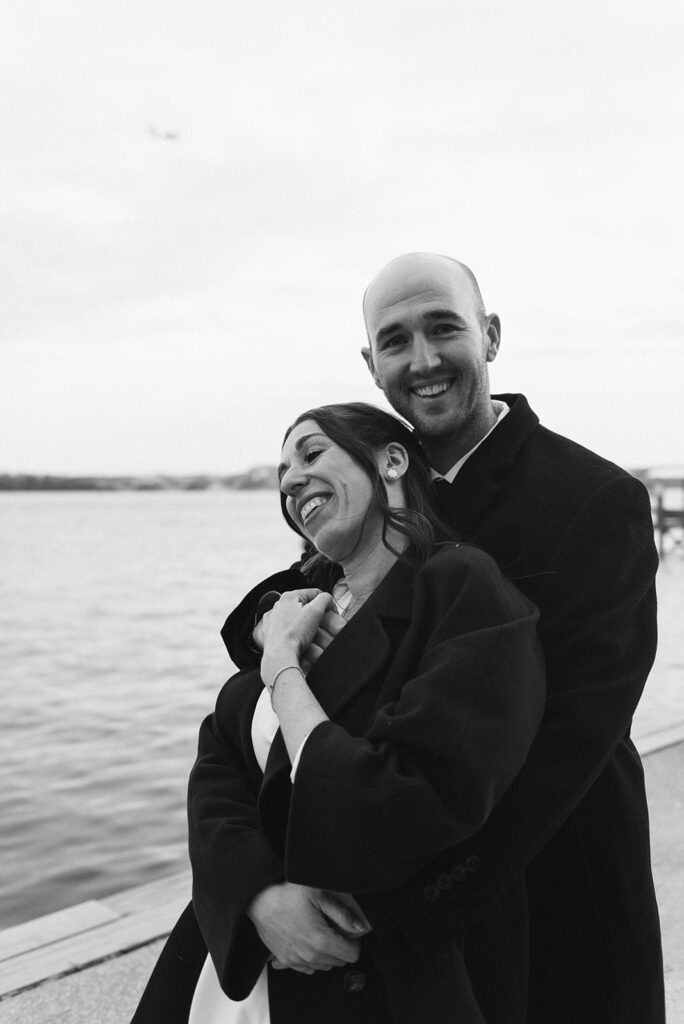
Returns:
<point x="328" y="495"/>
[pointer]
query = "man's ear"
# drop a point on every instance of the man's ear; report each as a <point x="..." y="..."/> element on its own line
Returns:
<point x="493" y="332"/>
<point x="368" y="357"/>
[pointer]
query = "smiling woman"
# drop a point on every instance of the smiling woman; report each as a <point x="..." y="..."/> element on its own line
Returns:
<point x="328" y="495"/>
<point x="336" y="784"/>
<point x="358" y="447"/>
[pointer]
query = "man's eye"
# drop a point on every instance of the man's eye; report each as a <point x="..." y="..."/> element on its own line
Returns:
<point x="392" y="342"/>
<point x="442" y="330"/>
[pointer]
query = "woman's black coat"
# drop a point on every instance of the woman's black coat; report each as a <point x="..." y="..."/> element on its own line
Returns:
<point x="434" y="691"/>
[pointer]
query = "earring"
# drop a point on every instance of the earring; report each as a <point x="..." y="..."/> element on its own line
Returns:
<point x="391" y="474"/>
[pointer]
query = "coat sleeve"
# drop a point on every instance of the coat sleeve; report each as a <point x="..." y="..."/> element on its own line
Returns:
<point x="368" y="812"/>
<point x="231" y="860"/>
<point x="598" y="630"/>
<point x="238" y="628"/>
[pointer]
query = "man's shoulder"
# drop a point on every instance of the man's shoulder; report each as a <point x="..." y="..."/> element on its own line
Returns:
<point x="564" y="454"/>
<point x="548" y="456"/>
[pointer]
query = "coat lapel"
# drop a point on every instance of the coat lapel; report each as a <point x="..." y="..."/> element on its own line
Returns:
<point x="476" y="486"/>
<point x="461" y="503"/>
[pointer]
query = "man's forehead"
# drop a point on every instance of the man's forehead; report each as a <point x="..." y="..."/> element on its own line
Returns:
<point x="416" y="298"/>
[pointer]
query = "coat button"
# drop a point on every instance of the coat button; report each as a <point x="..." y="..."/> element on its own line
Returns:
<point x="354" y="981"/>
<point x="458" y="872"/>
<point x="472" y="863"/>
<point x="431" y="893"/>
<point x="445" y="881"/>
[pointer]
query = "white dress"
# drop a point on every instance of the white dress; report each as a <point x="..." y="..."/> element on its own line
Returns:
<point x="210" y="1004"/>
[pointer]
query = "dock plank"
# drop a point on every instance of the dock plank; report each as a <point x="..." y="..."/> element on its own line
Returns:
<point x="52" y="927"/>
<point x="659" y="739"/>
<point x="126" y="920"/>
<point x="132" y="901"/>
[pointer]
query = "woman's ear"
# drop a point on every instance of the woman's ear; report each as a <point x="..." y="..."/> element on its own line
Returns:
<point x="393" y="462"/>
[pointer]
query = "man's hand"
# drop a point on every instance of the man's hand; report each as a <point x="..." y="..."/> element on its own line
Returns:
<point x="303" y="927"/>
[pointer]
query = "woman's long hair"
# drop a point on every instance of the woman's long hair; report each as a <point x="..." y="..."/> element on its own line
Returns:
<point x="363" y="430"/>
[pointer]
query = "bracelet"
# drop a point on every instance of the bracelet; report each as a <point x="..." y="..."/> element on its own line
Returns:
<point x="271" y="688"/>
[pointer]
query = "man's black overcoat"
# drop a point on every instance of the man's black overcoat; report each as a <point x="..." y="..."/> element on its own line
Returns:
<point x="574" y="532"/>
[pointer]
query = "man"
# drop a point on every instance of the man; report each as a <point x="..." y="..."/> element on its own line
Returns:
<point x="574" y="532"/>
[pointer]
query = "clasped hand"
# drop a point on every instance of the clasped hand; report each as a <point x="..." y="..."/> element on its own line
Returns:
<point x="306" y="929"/>
<point x="303" y="620"/>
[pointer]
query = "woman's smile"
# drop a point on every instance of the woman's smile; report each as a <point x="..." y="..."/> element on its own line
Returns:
<point x="310" y="506"/>
<point x="328" y="494"/>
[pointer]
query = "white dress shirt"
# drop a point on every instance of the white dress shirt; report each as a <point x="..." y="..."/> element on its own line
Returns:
<point x="501" y="409"/>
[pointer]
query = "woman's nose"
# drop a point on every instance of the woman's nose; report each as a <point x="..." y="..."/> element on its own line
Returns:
<point x="292" y="480"/>
<point x="425" y="358"/>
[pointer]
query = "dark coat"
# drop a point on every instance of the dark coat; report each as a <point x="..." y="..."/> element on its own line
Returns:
<point x="434" y="691"/>
<point x="575" y="533"/>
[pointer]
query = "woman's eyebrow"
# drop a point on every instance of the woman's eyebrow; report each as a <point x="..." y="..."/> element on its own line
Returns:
<point x="298" y="444"/>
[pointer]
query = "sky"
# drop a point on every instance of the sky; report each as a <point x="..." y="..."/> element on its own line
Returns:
<point x="194" y="197"/>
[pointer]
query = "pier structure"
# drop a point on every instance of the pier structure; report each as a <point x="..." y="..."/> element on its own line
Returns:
<point x="666" y="488"/>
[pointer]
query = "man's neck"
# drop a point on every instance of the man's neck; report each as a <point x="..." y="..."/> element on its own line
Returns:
<point x="444" y="451"/>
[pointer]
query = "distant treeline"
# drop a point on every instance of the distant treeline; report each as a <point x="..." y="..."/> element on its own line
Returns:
<point x="258" y="478"/>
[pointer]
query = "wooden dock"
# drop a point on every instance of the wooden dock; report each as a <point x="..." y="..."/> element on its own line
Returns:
<point x="88" y="933"/>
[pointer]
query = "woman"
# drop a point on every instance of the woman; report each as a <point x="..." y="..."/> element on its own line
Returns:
<point x="330" y="811"/>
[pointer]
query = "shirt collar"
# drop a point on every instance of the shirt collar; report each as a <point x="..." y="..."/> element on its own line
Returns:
<point x="501" y="409"/>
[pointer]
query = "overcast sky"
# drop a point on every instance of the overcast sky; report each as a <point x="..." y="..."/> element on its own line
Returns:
<point x="194" y="196"/>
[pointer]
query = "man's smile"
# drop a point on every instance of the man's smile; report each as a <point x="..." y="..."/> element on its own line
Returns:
<point x="431" y="390"/>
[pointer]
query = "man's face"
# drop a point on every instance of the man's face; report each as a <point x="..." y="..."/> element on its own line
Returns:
<point x="430" y="347"/>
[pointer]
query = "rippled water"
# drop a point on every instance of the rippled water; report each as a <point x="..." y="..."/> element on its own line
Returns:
<point x="110" y="607"/>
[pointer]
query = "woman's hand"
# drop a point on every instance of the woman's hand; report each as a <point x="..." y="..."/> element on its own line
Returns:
<point x="329" y="626"/>
<point x="306" y="929"/>
<point x="291" y="625"/>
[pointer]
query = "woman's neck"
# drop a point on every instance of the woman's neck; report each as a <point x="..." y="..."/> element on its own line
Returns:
<point x="364" y="571"/>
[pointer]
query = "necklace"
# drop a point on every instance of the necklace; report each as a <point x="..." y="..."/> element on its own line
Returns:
<point x="346" y="602"/>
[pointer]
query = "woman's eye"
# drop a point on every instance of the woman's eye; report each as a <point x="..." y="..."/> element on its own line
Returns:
<point x="312" y="454"/>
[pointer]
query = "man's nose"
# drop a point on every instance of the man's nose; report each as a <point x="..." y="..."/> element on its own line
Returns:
<point x="425" y="358"/>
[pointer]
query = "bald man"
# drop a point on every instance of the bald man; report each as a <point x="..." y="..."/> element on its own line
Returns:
<point x="574" y="532"/>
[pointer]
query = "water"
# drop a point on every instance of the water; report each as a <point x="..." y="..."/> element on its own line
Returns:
<point x="110" y="607"/>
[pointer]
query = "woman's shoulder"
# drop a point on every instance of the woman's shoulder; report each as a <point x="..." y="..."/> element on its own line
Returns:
<point x="462" y="571"/>
<point x="447" y="557"/>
